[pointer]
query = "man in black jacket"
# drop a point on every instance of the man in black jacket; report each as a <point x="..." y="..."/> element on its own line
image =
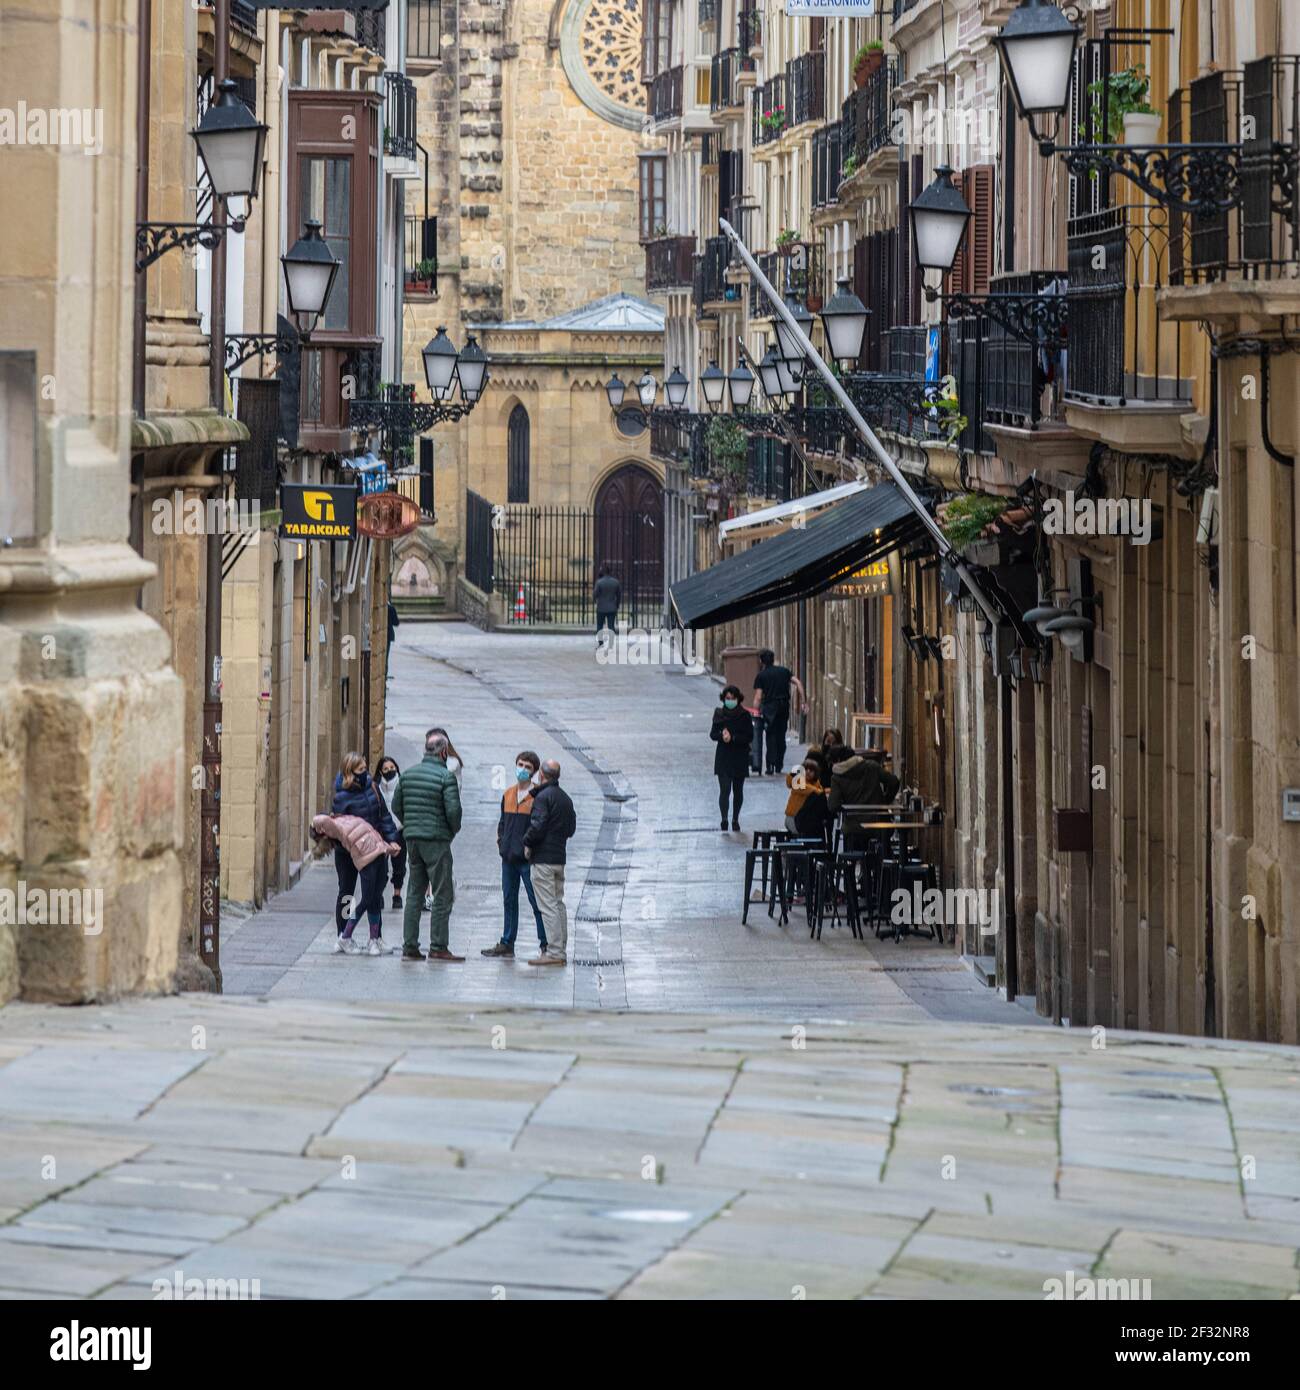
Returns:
<point x="549" y="829"/>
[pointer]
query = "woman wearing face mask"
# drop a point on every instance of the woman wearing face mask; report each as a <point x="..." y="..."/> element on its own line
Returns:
<point x="732" y="731"/>
<point x="516" y="811"/>
<point x="388" y="775"/>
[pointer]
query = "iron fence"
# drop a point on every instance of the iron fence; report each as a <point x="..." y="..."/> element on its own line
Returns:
<point x="1120" y="349"/>
<point x="478" y="541"/>
<point x="545" y="561"/>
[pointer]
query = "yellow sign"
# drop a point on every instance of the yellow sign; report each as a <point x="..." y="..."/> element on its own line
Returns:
<point x="317" y="513"/>
<point x="871" y="581"/>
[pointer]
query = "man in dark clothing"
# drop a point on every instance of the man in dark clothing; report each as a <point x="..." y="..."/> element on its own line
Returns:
<point x="550" y="827"/>
<point x="860" y="780"/>
<point x="394" y="622"/>
<point x="773" y="687"/>
<point x="427" y="802"/>
<point x="607" y="595"/>
<point x="516" y="815"/>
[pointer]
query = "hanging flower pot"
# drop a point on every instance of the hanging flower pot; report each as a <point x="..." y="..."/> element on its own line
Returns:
<point x="867" y="63"/>
<point x="1142" y="128"/>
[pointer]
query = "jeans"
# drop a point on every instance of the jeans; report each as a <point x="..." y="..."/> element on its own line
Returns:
<point x="733" y="788"/>
<point x="512" y="875"/>
<point x="548" y="885"/>
<point x="371" y="897"/>
<point x="347" y="872"/>
<point x="431" y="864"/>
<point x="776" y="716"/>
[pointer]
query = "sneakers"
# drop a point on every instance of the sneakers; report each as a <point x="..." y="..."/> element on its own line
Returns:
<point x="445" y="955"/>
<point x="345" y="946"/>
<point x="735" y="825"/>
<point x="500" y="949"/>
<point x="548" y="957"/>
<point x="412" y="953"/>
<point x="397" y="901"/>
<point x="376" y="947"/>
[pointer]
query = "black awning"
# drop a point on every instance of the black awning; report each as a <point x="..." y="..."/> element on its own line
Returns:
<point x="801" y="562"/>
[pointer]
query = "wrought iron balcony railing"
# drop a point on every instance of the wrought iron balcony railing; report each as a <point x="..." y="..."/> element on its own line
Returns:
<point x="421" y="255"/>
<point x="867" y="116"/>
<point x="826" y="164"/>
<point x="711" y="286"/>
<point x="724" y="89"/>
<point x="372" y="26"/>
<point x="805" y="78"/>
<point x="749" y="29"/>
<point x="665" y="100"/>
<point x="399" y="116"/>
<point x="1121" y="352"/>
<point x="770" y="110"/>
<point x="773" y="265"/>
<point x="669" y="263"/>
<point x="1014" y="376"/>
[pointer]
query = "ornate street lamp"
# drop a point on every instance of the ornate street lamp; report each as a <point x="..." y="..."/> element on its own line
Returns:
<point x="788" y="346"/>
<point x="615" y="390"/>
<point x="1037" y="46"/>
<point x="647" y="389"/>
<point x="676" y="388"/>
<point x="845" y="320"/>
<point x="230" y="140"/>
<point x="471" y="370"/>
<point x="310" y="269"/>
<point x="741" y="382"/>
<point x="769" y="375"/>
<point x="939" y="218"/>
<point x="713" y="384"/>
<point x="439" y="365"/>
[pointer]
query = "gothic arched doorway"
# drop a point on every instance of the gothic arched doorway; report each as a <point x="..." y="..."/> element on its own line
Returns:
<point x="629" y="522"/>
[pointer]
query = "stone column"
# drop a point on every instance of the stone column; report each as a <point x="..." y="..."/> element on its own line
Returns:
<point x="91" y="746"/>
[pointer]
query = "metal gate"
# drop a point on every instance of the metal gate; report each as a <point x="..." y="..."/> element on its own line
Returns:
<point x="545" y="561"/>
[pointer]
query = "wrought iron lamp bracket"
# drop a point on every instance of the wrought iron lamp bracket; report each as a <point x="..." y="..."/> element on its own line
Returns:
<point x="154" y="239"/>
<point x="404" y="417"/>
<point x="1197" y="179"/>
<point x="1039" y="319"/>
<point x="243" y="347"/>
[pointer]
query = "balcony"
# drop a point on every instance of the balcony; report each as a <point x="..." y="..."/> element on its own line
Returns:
<point x="243" y="16"/>
<point x="771" y="110"/>
<point x="676" y="439"/>
<point x="773" y="265"/>
<point x="711" y="286"/>
<point x="1013" y="371"/>
<point x="725" y="92"/>
<point x="371" y="28"/>
<point x="826" y="166"/>
<point x="867" y="117"/>
<point x="399" y="116"/>
<point x="669" y="263"/>
<point x="420" y="276"/>
<point x="805" y="78"/>
<point x="768" y="470"/>
<point x="665" y="97"/>
<point x="709" y="11"/>
<point x="749" y="30"/>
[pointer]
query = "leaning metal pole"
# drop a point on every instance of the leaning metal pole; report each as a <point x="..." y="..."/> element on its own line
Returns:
<point x="868" y="434"/>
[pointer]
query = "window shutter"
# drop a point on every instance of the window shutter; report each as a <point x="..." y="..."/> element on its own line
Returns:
<point x="904" y="247"/>
<point x="914" y="277"/>
<point x="426" y="475"/>
<point x="958" y="279"/>
<point x="982" y="231"/>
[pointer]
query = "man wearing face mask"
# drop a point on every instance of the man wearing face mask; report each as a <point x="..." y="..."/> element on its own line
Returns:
<point x="512" y="825"/>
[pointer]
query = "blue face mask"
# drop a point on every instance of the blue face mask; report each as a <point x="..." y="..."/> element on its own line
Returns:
<point x="523" y="773"/>
<point x="731" y="704"/>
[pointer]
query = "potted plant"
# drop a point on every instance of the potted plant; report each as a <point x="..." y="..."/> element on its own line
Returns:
<point x="964" y="519"/>
<point x="420" y="277"/>
<point x="867" y="61"/>
<point x="786" y="241"/>
<point x="849" y="167"/>
<point x="728" y="450"/>
<point x="773" y="121"/>
<point x="1130" y="118"/>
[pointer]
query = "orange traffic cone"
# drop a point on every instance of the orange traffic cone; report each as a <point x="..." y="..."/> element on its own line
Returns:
<point x="521" y="611"/>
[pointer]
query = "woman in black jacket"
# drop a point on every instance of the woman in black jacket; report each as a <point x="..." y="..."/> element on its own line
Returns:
<point x="355" y="794"/>
<point x="732" y="731"/>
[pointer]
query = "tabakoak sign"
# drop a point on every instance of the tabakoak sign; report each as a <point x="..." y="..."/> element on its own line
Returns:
<point x="314" y="513"/>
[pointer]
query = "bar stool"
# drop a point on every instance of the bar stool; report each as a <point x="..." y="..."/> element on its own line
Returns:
<point x="916" y="872"/>
<point x="789" y="855"/>
<point x="764" y="858"/>
<point x="836" y="874"/>
<point x="763" y="840"/>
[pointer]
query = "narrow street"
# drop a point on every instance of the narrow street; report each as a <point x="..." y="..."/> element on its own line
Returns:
<point x="654" y="888"/>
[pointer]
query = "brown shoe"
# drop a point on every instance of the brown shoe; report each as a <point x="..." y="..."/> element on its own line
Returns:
<point x="548" y="957"/>
<point x="500" y="949"/>
<point x="445" y="955"/>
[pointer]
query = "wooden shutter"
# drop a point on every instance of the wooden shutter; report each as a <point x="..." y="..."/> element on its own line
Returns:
<point x="904" y="247"/>
<point x="982" y="232"/>
<point x="958" y="279"/>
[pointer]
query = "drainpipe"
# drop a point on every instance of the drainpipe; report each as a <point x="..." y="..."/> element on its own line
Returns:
<point x="210" y="812"/>
<point x="1010" y="949"/>
<point x="144" y="81"/>
<point x="1273" y="451"/>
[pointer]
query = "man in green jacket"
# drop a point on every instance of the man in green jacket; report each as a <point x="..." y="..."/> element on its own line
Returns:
<point x="427" y="803"/>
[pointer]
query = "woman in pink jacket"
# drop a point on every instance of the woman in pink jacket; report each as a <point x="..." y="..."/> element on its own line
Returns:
<point x="363" y="830"/>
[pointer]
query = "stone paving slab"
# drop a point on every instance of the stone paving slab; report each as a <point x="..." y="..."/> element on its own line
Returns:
<point x="394" y="1150"/>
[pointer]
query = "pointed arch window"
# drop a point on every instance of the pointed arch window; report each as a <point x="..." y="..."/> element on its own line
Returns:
<point x="517" y="456"/>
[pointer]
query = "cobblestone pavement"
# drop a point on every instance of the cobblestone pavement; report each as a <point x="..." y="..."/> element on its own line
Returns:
<point x="654" y="888"/>
<point x="405" y="1151"/>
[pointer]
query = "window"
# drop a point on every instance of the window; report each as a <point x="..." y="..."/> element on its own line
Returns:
<point x="325" y="195"/>
<point x="654" y="202"/>
<point x="423" y="28"/>
<point x="517" y="457"/>
<point x="656" y="38"/>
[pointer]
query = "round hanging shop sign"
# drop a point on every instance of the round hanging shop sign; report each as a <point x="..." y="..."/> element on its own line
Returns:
<point x="384" y="516"/>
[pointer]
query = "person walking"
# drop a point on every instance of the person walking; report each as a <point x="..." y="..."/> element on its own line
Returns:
<point x="389" y="772"/>
<point x="606" y="594"/>
<point x="512" y="826"/>
<point x="773" y="687"/>
<point x="427" y="801"/>
<point x="550" y="827"/>
<point x="365" y="837"/>
<point x="732" y="731"/>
